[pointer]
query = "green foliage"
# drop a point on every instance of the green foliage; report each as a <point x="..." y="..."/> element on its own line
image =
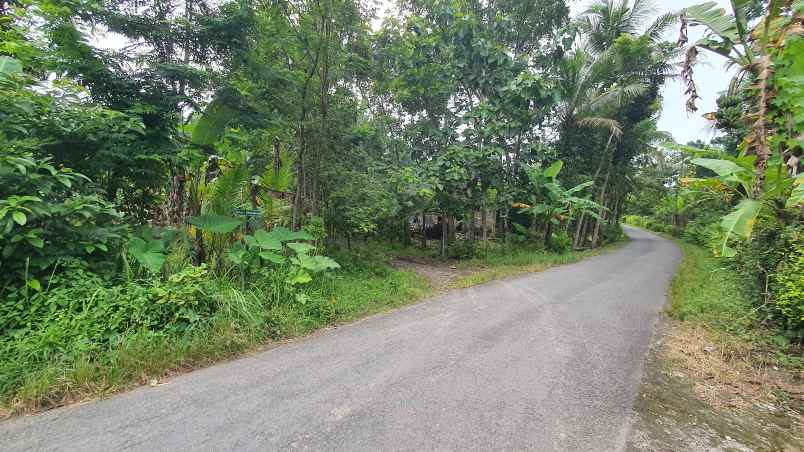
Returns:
<point x="150" y="253"/>
<point x="360" y="204"/>
<point x="216" y="224"/>
<point x="796" y="198"/>
<point x="9" y="66"/>
<point x="560" y="242"/>
<point x="706" y="289"/>
<point x="462" y="249"/>
<point x="789" y="284"/>
<point x="48" y="214"/>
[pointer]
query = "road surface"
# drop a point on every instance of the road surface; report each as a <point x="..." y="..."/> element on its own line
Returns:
<point x="547" y="361"/>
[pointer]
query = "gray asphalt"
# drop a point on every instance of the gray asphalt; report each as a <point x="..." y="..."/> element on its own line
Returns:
<point x="547" y="361"/>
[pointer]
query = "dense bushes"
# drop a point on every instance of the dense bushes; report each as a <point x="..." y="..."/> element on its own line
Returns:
<point x="788" y="283"/>
<point x="47" y="215"/>
<point x="87" y="329"/>
<point x="769" y="265"/>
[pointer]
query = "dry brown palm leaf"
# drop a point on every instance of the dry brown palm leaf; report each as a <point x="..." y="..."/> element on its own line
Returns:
<point x="687" y="75"/>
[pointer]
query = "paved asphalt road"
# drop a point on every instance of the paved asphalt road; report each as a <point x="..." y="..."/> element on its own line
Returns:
<point x="548" y="361"/>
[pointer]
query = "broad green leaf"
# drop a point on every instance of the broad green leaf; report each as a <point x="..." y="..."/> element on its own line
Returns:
<point x="265" y="240"/>
<point x="273" y="257"/>
<point x="316" y="264"/>
<point x="719" y="22"/>
<point x="284" y="234"/>
<point x="150" y="254"/>
<point x="302" y="277"/>
<point x="19" y="218"/>
<point x="740" y="221"/>
<point x="34" y="284"/>
<point x="212" y="123"/>
<point x="580" y="187"/>
<point x="237" y="255"/>
<point x="301" y="248"/>
<point x="722" y="168"/>
<point x="218" y="224"/>
<point x="9" y="66"/>
<point x="553" y="170"/>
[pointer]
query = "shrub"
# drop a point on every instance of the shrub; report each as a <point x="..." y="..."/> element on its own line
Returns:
<point x="758" y="258"/>
<point x="560" y="242"/>
<point x="462" y="249"/>
<point x="703" y="231"/>
<point x="48" y="215"/>
<point x="611" y="233"/>
<point x="789" y="287"/>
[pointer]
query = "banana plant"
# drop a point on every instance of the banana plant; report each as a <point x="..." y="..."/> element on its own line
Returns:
<point x="551" y="203"/>
<point x="738" y="173"/>
<point x="748" y="46"/>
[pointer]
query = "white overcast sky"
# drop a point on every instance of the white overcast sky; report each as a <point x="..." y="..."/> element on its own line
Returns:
<point x="710" y="74"/>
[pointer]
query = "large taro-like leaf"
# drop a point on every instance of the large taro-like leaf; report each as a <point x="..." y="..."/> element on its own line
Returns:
<point x="739" y="222"/>
<point x="301" y="277"/>
<point x="315" y="264"/>
<point x="149" y="253"/>
<point x="300" y="248"/>
<point x="273" y="257"/>
<point x="722" y="168"/>
<point x="213" y="122"/>
<point x="553" y="170"/>
<point x="284" y="234"/>
<point x="264" y="240"/>
<point x="217" y="224"/>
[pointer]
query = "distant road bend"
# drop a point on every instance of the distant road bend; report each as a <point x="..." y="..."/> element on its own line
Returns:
<point x="547" y="361"/>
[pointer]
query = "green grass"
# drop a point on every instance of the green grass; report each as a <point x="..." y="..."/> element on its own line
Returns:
<point x="707" y="292"/>
<point x="508" y="262"/>
<point x="244" y="322"/>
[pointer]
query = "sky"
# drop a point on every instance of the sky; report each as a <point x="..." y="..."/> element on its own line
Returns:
<point x="711" y="77"/>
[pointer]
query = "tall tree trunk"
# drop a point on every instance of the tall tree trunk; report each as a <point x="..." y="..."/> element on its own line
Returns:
<point x="602" y="202"/>
<point x="424" y="230"/>
<point x="504" y="214"/>
<point x="483" y="215"/>
<point x="576" y="242"/>
<point x="444" y="235"/>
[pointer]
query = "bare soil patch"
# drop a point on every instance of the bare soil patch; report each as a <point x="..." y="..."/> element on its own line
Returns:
<point x="701" y="394"/>
<point x="440" y="274"/>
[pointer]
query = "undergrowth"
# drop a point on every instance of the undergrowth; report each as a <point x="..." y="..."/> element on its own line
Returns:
<point x="707" y="292"/>
<point x="61" y="366"/>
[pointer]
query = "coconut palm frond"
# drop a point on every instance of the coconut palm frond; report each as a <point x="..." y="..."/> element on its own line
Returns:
<point x="663" y="23"/>
<point x="617" y="96"/>
<point x="612" y="125"/>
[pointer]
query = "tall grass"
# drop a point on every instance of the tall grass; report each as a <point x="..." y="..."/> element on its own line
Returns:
<point x="245" y="319"/>
<point x="708" y="293"/>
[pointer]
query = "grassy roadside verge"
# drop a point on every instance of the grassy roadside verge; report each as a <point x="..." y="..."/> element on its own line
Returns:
<point x="499" y="266"/>
<point x="718" y="342"/>
<point x="716" y="378"/>
<point x="366" y="286"/>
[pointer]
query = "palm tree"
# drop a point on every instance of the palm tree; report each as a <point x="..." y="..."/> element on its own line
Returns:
<point x="607" y="20"/>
